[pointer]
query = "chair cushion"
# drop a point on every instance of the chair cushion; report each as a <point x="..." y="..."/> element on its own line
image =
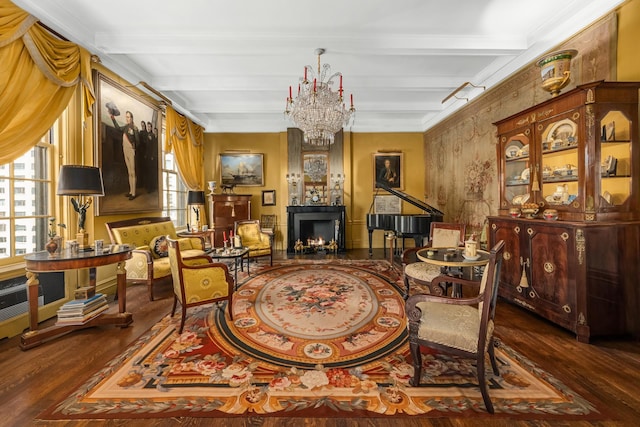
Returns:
<point x="159" y="247"/>
<point x="422" y="271"/>
<point x="162" y="268"/>
<point x="451" y="325"/>
<point x="141" y="235"/>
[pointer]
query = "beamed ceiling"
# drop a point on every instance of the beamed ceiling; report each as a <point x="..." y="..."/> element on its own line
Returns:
<point x="228" y="64"/>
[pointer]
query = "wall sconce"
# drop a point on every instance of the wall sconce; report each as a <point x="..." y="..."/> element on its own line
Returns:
<point x="80" y="181"/>
<point x="195" y="202"/>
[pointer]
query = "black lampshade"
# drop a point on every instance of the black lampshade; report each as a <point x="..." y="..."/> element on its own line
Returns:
<point x="195" y="198"/>
<point x="75" y="180"/>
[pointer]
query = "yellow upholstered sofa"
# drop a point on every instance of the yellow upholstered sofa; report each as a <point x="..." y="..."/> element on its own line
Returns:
<point x="150" y="262"/>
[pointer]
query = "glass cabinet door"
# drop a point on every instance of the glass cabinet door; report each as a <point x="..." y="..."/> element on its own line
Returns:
<point x="615" y="159"/>
<point x="559" y="160"/>
<point x="517" y="169"/>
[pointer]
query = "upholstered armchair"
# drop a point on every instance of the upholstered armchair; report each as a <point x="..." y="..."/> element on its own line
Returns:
<point x="253" y="238"/>
<point x="197" y="281"/>
<point x="441" y="235"/>
<point x="458" y="326"/>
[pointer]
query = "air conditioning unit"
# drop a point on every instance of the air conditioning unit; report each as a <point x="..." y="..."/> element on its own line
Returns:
<point x="13" y="301"/>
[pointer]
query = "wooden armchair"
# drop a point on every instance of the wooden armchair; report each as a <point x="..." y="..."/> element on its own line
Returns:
<point x="258" y="242"/>
<point x="458" y="326"/>
<point x="197" y="280"/>
<point x="441" y="235"/>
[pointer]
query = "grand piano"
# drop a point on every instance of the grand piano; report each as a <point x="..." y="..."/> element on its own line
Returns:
<point x="415" y="226"/>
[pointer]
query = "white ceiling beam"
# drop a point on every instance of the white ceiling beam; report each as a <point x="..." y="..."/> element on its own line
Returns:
<point x="286" y="44"/>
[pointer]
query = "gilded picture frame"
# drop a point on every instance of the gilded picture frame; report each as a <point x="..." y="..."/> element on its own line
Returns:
<point x="387" y="168"/>
<point x="128" y="156"/>
<point x="244" y="170"/>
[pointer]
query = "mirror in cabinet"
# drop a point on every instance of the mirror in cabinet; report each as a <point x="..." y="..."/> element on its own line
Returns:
<point x="517" y="169"/>
<point x="615" y="156"/>
<point x="559" y="162"/>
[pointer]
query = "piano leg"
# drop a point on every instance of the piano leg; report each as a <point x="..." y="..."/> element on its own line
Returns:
<point x="370" y="242"/>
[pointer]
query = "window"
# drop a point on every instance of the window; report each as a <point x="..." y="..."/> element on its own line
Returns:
<point x="174" y="192"/>
<point x="25" y="190"/>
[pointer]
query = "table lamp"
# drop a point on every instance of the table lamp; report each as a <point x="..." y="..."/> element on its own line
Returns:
<point x="80" y="181"/>
<point x="195" y="199"/>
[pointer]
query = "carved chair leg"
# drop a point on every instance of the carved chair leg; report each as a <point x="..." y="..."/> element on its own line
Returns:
<point x="229" y="305"/>
<point x="183" y="319"/>
<point x="483" y="384"/>
<point x="417" y="363"/>
<point x="175" y="304"/>
<point x="150" y="286"/>
<point x="492" y="357"/>
<point x="407" y="286"/>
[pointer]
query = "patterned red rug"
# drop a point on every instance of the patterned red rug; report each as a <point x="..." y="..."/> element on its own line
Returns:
<point x="311" y="339"/>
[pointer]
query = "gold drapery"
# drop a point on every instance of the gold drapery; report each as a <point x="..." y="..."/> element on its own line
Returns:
<point x="38" y="75"/>
<point x="186" y="140"/>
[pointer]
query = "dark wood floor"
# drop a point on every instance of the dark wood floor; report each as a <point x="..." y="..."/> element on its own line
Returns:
<point x="606" y="372"/>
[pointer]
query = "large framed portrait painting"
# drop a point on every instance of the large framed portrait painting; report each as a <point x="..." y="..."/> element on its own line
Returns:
<point x="387" y="169"/>
<point x="128" y="149"/>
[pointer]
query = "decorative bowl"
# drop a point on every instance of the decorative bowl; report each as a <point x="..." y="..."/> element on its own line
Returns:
<point x="530" y="212"/>
<point x="550" y="214"/>
<point x="514" y="212"/>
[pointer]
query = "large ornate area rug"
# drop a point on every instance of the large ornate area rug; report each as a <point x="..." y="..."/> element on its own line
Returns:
<point x="310" y="339"/>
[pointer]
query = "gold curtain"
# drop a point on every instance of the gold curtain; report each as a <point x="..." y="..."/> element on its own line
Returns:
<point x="38" y="75"/>
<point x="186" y="140"/>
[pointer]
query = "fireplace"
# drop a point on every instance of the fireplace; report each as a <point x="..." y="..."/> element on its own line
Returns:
<point x="313" y="222"/>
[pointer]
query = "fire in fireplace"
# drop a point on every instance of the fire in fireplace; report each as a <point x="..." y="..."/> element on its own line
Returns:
<point x="311" y="223"/>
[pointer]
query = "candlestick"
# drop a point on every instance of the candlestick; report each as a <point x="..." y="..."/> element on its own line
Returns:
<point x="305" y="74"/>
<point x="314" y="85"/>
<point x="351" y="100"/>
<point x="290" y="96"/>
<point x="340" y="82"/>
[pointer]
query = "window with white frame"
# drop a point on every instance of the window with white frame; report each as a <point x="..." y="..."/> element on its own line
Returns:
<point x="25" y="195"/>
<point x="174" y="192"/>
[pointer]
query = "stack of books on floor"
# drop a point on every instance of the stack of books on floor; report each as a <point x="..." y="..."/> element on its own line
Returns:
<point x="80" y="311"/>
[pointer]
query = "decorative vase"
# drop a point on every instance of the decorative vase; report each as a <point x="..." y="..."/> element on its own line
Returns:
<point x="555" y="70"/>
<point x="52" y="247"/>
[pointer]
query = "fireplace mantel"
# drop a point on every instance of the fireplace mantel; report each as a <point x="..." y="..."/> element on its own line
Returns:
<point x="314" y="220"/>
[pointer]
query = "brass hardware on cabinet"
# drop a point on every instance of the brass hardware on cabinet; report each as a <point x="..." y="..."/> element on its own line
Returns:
<point x="582" y="320"/>
<point x="564" y="236"/>
<point x="527" y="132"/>
<point x="516" y="229"/>
<point x="590" y="122"/>
<point x="566" y="308"/>
<point x="540" y="127"/>
<point x="576" y="116"/>
<point x="530" y="231"/>
<point x="549" y="267"/>
<point x="506" y="255"/>
<point x="580" y="245"/>
<point x="493" y="226"/>
<point x="524" y="282"/>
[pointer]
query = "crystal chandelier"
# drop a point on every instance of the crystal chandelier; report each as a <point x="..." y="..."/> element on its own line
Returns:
<point x="317" y="110"/>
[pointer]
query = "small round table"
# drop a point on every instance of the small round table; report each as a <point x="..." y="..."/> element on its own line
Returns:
<point x="41" y="262"/>
<point x="236" y="255"/>
<point x="454" y="259"/>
